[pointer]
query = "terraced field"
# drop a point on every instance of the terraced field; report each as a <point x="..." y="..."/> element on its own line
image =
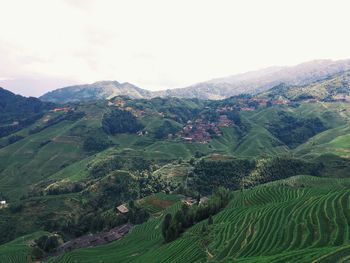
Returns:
<point x="155" y="204"/>
<point x="19" y="249"/>
<point x="299" y="219"/>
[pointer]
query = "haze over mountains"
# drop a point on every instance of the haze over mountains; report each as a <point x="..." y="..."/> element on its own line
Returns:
<point x="251" y="83"/>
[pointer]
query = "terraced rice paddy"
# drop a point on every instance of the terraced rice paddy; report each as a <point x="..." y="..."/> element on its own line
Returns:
<point x="18" y="250"/>
<point x="278" y="222"/>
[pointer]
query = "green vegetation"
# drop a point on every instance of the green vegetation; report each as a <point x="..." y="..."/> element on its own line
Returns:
<point x="66" y="171"/>
<point x="301" y="219"/>
<point x="234" y="174"/>
<point x="119" y="121"/>
<point x="19" y="250"/>
<point x="23" y="111"/>
<point x="293" y="131"/>
<point x="172" y="227"/>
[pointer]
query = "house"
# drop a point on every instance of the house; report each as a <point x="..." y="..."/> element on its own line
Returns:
<point x="3" y="204"/>
<point x="188" y="139"/>
<point x="189" y="201"/>
<point x="122" y="209"/>
<point x="65" y="109"/>
<point x="280" y="102"/>
<point x="247" y="109"/>
<point x="142" y="133"/>
<point x="119" y="103"/>
<point x="203" y="200"/>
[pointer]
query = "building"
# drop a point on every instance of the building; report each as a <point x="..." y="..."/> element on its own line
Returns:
<point x="65" y="109"/>
<point x="3" y="204"/>
<point x="122" y="209"/>
<point x="203" y="200"/>
<point x="189" y="201"/>
<point x="118" y="103"/>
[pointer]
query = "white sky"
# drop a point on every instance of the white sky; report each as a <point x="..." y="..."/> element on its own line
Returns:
<point x="159" y="44"/>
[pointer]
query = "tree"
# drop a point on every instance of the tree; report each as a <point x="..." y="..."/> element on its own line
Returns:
<point x="119" y="121"/>
<point x="47" y="243"/>
<point x="166" y="225"/>
<point x="165" y="129"/>
<point x="210" y="220"/>
<point x="96" y="142"/>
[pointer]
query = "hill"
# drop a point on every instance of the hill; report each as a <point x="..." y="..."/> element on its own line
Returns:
<point x="258" y="81"/>
<point x="17" y="111"/>
<point x="247" y="83"/>
<point x="68" y="170"/>
<point x="333" y="88"/>
<point x="95" y="91"/>
<point x="299" y="219"/>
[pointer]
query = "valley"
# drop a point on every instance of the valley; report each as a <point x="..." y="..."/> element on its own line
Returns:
<point x="281" y="156"/>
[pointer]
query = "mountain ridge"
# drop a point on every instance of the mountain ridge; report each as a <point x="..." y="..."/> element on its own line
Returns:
<point x="251" y="82"/>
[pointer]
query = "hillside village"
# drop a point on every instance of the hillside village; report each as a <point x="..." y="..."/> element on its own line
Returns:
<point x="201" y="130"/>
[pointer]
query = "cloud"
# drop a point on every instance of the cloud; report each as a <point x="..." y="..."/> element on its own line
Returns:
<point x="165" y="44"/>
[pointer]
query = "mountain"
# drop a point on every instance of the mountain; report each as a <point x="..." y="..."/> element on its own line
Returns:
<point x="95" y="91"/>
<point x="16" y="110"/>
<point x="333" y="88"/>
<point x="261" y="80"/>
<point x="65" y="173"/>
<point x="250" y="83"/>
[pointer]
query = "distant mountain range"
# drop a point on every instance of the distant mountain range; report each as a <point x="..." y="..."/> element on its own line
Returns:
<point x="251" y="83"/>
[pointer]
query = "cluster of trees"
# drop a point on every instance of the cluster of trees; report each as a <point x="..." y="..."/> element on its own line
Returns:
<point x="17" y="108"/>
<point x="96" y="141"/>
<point x="120" y="121"/>
<point x="71" y="187"/>
<point x="239" y="173"/>
<point x="293" y="131"/>
<point x="186" y="217"/>
<point x="209" y="174"/>
<point x="271" y="169"/>
<point x="45" y="244"/>
<point x="102" y="167"/>
<point x="48" y="243"/>
<point x="165" y="129"/>
<point x="149" y="184"/>
<point x="11" y="128"/>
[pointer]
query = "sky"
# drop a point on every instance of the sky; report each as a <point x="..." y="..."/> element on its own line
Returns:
<point x="161" y="44"/>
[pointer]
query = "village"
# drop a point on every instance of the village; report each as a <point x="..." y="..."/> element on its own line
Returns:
<point x="201" y="130"/>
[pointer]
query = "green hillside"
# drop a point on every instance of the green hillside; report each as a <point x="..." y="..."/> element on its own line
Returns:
<point x="300" y="219"/>
<point x="69" y="169"/>
<point x="19" y="249"/>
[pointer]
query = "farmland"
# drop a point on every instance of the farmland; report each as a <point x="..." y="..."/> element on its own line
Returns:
<point x="301" y="218"/>
<point x="68" y="171"/>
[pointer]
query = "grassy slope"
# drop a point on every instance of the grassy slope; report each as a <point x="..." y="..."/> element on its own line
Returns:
<point x="28" y="162"/>
<point x="335" y="141"/>
<point x="18" y="250"/>
<point x="40" y="155"/>
<point x="282" y="221"/>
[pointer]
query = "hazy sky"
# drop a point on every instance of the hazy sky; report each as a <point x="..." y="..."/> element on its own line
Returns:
<point x="157" y="44"/>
